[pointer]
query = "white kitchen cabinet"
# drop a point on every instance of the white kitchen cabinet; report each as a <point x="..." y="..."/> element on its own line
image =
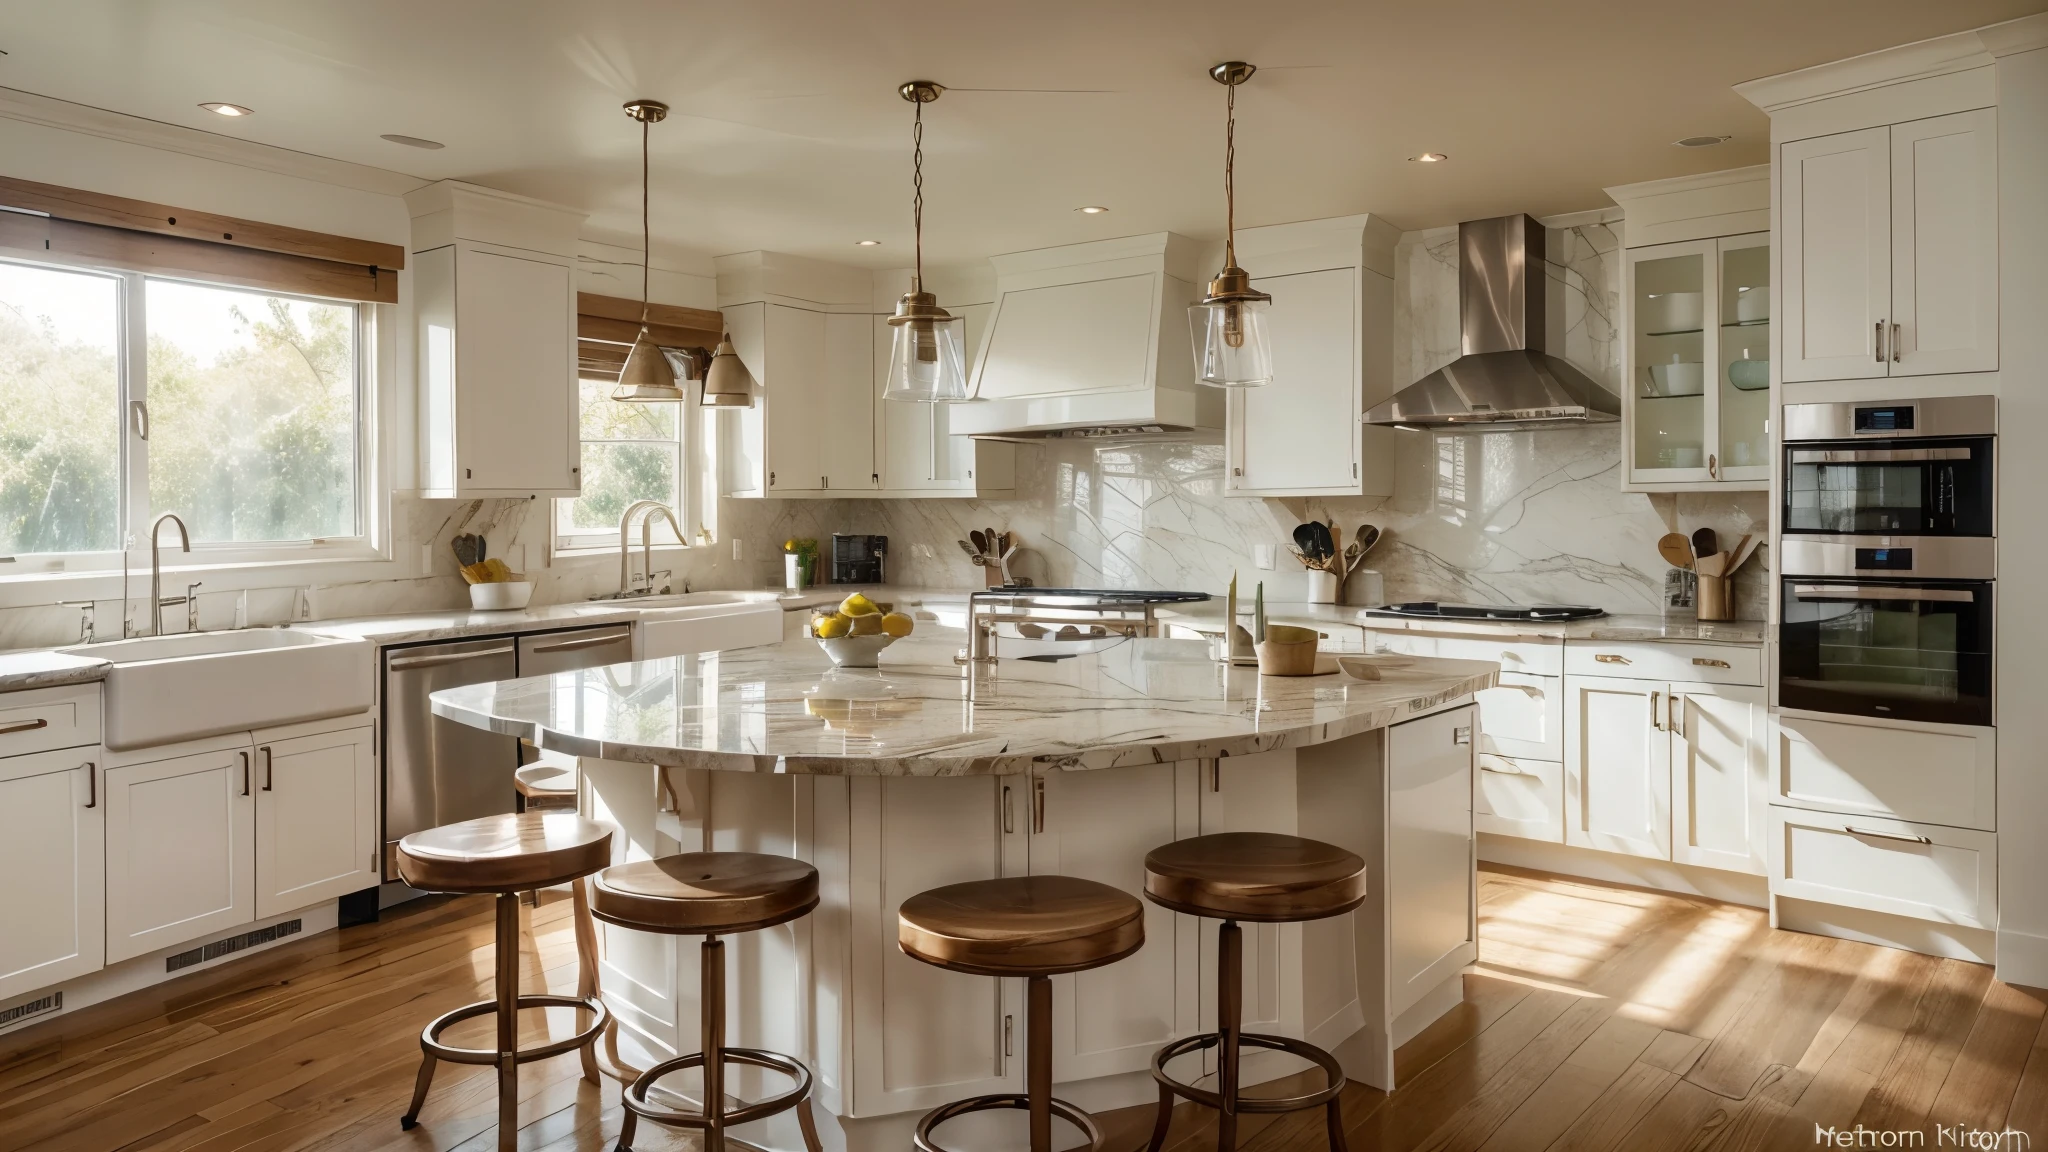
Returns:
<point x="1617" y="768"/>
<point x="494" y="300"/>
<point x="1720" y="741"/>
<point x="1251" y="794"/>
<point x="180" y="837"/>
<point x="1696" y="405"/>
<point x="1432" y="932"/>
<point x="52" y="826"/>
<point x="1926" y="871"/>
<point x="1890" y="264"/>
<point x="846" y="406"/>
<point x="1520" y="717"/>
<point x="316" y="830"/>
<point x="1516" y="797"/>
<point x="915" y="448"/>
<point x="1331" y="326"/>
<point x="1099" y="826"/>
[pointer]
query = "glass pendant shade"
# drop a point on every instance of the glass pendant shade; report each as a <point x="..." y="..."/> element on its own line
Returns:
<point x="927" y="360"/>
<point x="727" y="383"/>
<point x="648" y="378"/>
<point x="1232" y="346"/>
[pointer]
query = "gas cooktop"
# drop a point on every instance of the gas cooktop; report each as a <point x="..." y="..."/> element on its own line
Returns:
<point x="1432" y="610"/>
<point x="1098" y="595"/>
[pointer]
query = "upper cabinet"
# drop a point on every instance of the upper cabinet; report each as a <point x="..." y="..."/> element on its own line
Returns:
<point x="1891" y="263"/>
<point x="1697" y="311"/>
<point x="494" y="299"/>
<point x="1332" y="283"/>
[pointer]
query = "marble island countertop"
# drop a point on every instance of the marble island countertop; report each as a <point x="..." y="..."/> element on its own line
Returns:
<point x="785" y="708"/>
<point x="20" y="671"/>
<point x="1208" y="618"/>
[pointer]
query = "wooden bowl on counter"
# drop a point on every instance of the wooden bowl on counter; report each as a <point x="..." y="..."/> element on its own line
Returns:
<point x="1288" y="651"/>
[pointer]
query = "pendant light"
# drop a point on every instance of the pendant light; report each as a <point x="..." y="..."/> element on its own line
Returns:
<point x="1232" y="346"/>
<point x="727" y="383"/>
<point x="647" y="377"/>
<point x="926" y="362"/>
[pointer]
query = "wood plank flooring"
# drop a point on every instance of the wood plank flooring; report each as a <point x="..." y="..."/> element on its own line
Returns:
<point x="1599" y="1019"/>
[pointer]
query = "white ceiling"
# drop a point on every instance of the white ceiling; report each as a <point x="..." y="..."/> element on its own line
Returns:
<point x="788" y="133"/>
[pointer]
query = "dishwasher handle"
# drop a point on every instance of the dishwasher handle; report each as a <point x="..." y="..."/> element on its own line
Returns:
<point x="402" y="663"/>
<point x="580" y="643"/>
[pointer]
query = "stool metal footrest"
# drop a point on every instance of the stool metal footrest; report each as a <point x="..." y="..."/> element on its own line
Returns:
<point x="635" y="1096"/>
<point x="1060" y="1108"/>
<point x="430" y="1036"/>
<point x="1245" y="1103"/>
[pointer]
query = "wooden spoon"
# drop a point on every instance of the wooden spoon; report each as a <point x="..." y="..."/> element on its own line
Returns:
<point x="1675" y="549"/>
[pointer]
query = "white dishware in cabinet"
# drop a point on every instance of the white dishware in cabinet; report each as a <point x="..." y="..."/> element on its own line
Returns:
<point x="1890" y="262"/>
<point x="316" y="831"/>
<point x="181" y="849"/>
<point x="52" y="827"/>
<point x="1699" y="328"/>
<point x="1617" y="765"/>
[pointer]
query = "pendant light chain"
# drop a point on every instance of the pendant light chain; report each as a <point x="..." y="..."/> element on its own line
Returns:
<point x="917" y="191"/>
<point x="1230" y="175"/>
<point x="646" y="232"/>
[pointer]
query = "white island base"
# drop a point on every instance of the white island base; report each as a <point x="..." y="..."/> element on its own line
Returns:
<point x="888" y="1037"/>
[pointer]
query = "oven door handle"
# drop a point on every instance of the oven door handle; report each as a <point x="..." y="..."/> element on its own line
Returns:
<point x="1876" y="455"/>
<point x="1867" y="592"/>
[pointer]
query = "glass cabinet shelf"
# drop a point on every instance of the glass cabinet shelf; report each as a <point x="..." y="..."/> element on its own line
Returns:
<point x="1696" y="414"/>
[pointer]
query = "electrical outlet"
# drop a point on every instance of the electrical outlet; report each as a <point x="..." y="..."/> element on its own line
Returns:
<point x="1262" y="557"/>
<point x="739" y="551"/>
<point x="426" y="559"/>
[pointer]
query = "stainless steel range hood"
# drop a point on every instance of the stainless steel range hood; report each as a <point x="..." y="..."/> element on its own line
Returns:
<point x="1505" y="379"/>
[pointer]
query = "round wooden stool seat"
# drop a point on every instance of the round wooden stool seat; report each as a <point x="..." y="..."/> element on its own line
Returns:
<point x="1257" y="876"/>
<point x="509" y="853"/>
<point x="1021" y="926"/>
<point x="705" y="893"/>
<point x="545" y="781"/>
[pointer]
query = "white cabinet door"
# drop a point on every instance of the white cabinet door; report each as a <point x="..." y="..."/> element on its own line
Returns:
<point x="52" y="808"/>
<point x="316" y="828"/>
<point x="793" y="397"/>
<point x="846" y="416"/>
<point x="1300" y="433"/>
<point x="1520" y="716"/>
<point x="1099" y="826"/>
<point x="1250" y="794"/>
<point x="1944" y="241"/>
<point x="1836" y="218"/>
<point x="1720" y="750"/>
<point x="1522" y="798"/>
<point x="955" y="456"/>
<point x="180" y="850"/>
<point x="515" y="373"/>
<point x="923" y="1035"/>
<point x="906" y="438"/>
<point x="1429" y="853"/>
<point x="1617" y="768"/>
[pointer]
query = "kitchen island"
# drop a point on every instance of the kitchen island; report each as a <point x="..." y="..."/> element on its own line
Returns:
<point x="891" y="781"/>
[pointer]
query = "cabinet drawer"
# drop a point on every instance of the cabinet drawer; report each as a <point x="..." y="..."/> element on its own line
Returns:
<point x="1515" y="797"/>
<point x="1533" y="657"/>
<point x="46" y="718"/>
<point x="1523" y="716"/>
<point x="1921" y="870"/>
<point x="1699" y="663"/>
<point x="1936" y="777"/>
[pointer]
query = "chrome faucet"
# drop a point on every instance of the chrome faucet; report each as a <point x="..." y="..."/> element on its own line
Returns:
<point x="647" y="541"/>
<point x="626" y="544"/>
<point x="156" y="577"/>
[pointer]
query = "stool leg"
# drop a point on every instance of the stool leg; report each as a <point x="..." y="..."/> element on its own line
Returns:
<point x="586" y="964"/>
<point x="411" y="1119"/>
<point x="1335" y="1116"/>
<point x="628" y="1123"/>
<point x="1164" y="1122"/>
<point x="508" y="1022"/>
<point x="711" y="1007"/>
<point x="1038" y="1060"/>
<point x="1229" y="1022"/>
<point x="810" y="1127"/>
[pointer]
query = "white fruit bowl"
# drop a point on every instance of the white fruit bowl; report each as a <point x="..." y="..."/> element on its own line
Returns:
<point x="856" y="651"/>
<point x="504" y="596"/>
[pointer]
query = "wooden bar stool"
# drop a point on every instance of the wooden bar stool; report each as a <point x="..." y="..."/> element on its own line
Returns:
<point x="1264" y="878"/>
<point x="544" y="784"/>
<point x="710" y="894"/>
<point x="1036" y="927"/>
<point x="504" y="856"/>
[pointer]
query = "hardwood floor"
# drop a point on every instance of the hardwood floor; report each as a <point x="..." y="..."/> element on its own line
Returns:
<point x="1598" y="1019"/>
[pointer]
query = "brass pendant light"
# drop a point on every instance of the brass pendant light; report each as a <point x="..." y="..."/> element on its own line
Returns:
<point x="727" y="383"/>
<point x="1232" y="346"/>
<point x="647" y="377"/>
<point x="927" y="363"/>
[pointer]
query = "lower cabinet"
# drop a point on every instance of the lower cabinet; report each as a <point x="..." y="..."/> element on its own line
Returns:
<point x="1926" y="871"/>
<point x="316" y="820"/>
<point x="1720" y="776"/>
<point x="1515" y="797"/>
<point x="1429" y="853"/>
<point x="52" y="825"/>
<point x="181" y="850"/>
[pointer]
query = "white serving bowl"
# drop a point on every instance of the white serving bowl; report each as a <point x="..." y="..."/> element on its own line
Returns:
<point x="856" y="651"/>
<point x="1683" y="379"/>
<point x="505" y="596"/>
<point x="1673" y="312"/>
<point x="1753" y="303"/>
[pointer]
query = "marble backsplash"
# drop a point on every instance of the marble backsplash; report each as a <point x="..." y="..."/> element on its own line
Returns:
<point x="1506" y="517"/>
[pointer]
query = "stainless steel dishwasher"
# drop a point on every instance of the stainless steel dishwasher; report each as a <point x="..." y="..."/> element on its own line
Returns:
<point x="543" y="653"/>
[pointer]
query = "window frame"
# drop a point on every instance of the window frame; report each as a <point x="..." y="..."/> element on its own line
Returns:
<point x="132" y="389"/>
<point x="695" y="503"/>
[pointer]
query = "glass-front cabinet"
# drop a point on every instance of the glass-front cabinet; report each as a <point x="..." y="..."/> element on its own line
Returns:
<point x="1696" y="413"/>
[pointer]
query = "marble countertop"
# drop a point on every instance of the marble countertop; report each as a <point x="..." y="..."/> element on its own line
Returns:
<point x="1209" y="618"/>
<point x="20" y="671"/>
<point x="785" y="708"/>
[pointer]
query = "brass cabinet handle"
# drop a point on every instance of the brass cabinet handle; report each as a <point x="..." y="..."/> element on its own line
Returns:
<point x="1852" y="830"/>
<point x="1609" y="658"/>
<point x="1896" y="341"/>
<point x="1656" y="699"/>
<point x="23" y="726"/>
<point x="1038" y="804"/>
<point x="1713" y="466"/>
<point x="1709" y="662"/>
<point x="1880" y="341"/>
<point x="269" y="763"/>
<point x="92" y="786"/>
<point x="1486" y="767"/>
<point x="1674" y="713"/>
<point x="1009" y="813"/>
<point x="1462" y="734"/>
<point x="245" y="773"/>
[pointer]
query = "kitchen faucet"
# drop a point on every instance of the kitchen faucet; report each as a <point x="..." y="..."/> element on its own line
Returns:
<point x="651" y="508"/>
<point x="156" y="576"/>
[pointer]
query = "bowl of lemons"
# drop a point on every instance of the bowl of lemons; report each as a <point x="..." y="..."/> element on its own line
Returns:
<point x="855" y="633"/>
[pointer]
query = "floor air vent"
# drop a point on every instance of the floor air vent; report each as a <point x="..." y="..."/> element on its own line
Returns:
<point x="220" y="948"/>
<point x="52" y="1003"/>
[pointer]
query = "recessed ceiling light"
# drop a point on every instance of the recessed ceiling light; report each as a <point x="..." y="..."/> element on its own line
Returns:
<point x="229" y="110"/>
<point x="867" y="243"/>
<point x="413" y="141"/>
<point x="1702" y="141"/>
<point x="1429" y="158"/>
<point x="1091" y="209"/>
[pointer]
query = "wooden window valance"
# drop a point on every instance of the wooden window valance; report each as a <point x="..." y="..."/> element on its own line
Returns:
<point x="140" y="236"/>
<point x="606" y="327"/>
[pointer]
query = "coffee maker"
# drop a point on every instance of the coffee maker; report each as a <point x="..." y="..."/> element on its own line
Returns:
<point x="859" y="559"/>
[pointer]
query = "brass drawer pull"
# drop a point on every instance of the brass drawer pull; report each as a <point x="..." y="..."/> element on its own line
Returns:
<point x="23" y="726"/>
<point x="1852" y="830"/>
<point x="1709" y="662"/>
<point x="1486" y="767"/>
<point x="1610" y="658"/>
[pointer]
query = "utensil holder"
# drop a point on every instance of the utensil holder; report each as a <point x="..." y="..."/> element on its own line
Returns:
<point x="1323" y="587"/>
<point x="1288" y="651"/>
<point x="1716" y="600"/>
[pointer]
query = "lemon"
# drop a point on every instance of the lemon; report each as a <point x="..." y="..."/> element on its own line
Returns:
<point x="831" y="627"/>
<point x="868" y="625"/>
<point x="897" y="624"/>
<point x="858" y="605"/>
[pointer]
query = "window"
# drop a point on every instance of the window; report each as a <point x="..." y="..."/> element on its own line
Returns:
<point x="634" y="452"/>
<point x="124" y="396"/>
